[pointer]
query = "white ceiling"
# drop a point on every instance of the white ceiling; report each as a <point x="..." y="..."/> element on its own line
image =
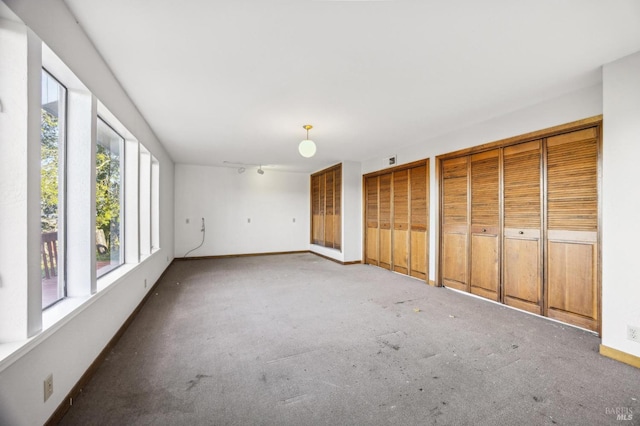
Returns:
<point x="236" y="80"/>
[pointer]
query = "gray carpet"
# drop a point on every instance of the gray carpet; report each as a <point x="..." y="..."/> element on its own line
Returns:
<point x="299" y="340"/>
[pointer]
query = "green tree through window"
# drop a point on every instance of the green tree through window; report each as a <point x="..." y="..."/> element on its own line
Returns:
<point x="49" y="164"/>
<point x="52" y="142"/>
<point x="108" y="198"/>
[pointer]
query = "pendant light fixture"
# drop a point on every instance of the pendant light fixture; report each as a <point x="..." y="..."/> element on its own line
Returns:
<point x="307" y="147"/>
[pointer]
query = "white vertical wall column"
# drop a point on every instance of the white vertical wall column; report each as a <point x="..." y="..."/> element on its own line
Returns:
<point x="434" y="217"/>
<point x="351" y="211"/>
<point x="34" y="235"/>
<point x="621" y="204"/>
<point x="155" y="204"/>
<point x="131" y="201"/>
<point x="81" y="191"/>
<point x="20" y="301"/>
<point x="144" y="177"/>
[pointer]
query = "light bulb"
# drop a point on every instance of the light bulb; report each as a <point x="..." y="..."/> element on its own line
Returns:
<point x="307" y="148"/>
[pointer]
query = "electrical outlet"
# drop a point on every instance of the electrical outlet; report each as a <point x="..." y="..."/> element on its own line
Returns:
<point x="633" y="333"/>
<point x="145" y="283"/>
<point x="48" y="387"/>
<point x="248" y="220"/>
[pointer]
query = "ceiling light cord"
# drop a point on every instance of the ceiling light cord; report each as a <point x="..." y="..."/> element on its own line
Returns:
<point x="203" y="230"/>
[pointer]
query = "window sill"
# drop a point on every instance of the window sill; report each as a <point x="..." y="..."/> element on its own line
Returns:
<point x="56" y="316"/>
<point x="53" y="318"/>
<point x="114" y="276"/>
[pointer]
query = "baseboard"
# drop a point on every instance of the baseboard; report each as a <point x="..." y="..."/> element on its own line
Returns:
<point x="66" y="403"/>
<point x="353" y="262"/>
<point x="225" y="256"/>
<point x="620" y="356"/>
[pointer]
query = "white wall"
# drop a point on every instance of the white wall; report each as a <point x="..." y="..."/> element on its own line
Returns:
<point x="621" y="203"/>
<point x="228" y="200"/>
<point x="67" y="347"/>
<point x="352" y="224"/>
<point x="570" y="107"/>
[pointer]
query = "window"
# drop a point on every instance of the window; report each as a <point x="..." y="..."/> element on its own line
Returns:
<point x="148" y="202"/>
<point x="326" y="221"/>
<point x="109" y="193"/>
<point x="76" y="197"/>
<point x="52" y="144"/>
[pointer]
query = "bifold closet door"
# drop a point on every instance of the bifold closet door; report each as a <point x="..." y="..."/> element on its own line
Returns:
<point x="316" y="231"/>
<point x="322" y="203"/>
<point x="371" y="249"/>
<point x="400" y="234"/>
<point x="485" y="224"/>
<point x="522" y="248"/>
<point x="329" y="212"/>
<point x="572" y="228"/>
<point x="419" y="216"/>
<point x="384" y="221"/>
<point x="455" y="228"/>
<point x="337" y="209"/>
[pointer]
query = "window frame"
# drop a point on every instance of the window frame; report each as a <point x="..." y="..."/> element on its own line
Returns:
<point x="61" y="260"/>
<point x="121" y="196"/>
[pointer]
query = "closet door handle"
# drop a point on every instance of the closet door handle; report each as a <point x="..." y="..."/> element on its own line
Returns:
<point x="521" y="232"/>
<point x="484" y="229"/>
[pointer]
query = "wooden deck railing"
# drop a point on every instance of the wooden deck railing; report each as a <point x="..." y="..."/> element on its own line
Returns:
<point x="49" y="250"/>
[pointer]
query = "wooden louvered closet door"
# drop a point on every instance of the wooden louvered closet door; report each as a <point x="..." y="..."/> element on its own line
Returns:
<point x="522" y="248"/>
<point x="326" y="207"/>
<point x="384" y="220"/>
<point x="485" y="224"/>
<point x="337" y="209"/>
<point x="572" y="228"/>
<point x="397" y="217"/>
<point x="401" y="222"/>
<point x="316" y="234"/>
<point x="419" y="216"/>
<point x="371" y="249"/>
<point x="329" y="212"/>
<point x="455" y="228"/>
<point x="322" y="210"/>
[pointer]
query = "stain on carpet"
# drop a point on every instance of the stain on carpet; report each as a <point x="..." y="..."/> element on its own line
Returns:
<point x="195" y="382"/>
